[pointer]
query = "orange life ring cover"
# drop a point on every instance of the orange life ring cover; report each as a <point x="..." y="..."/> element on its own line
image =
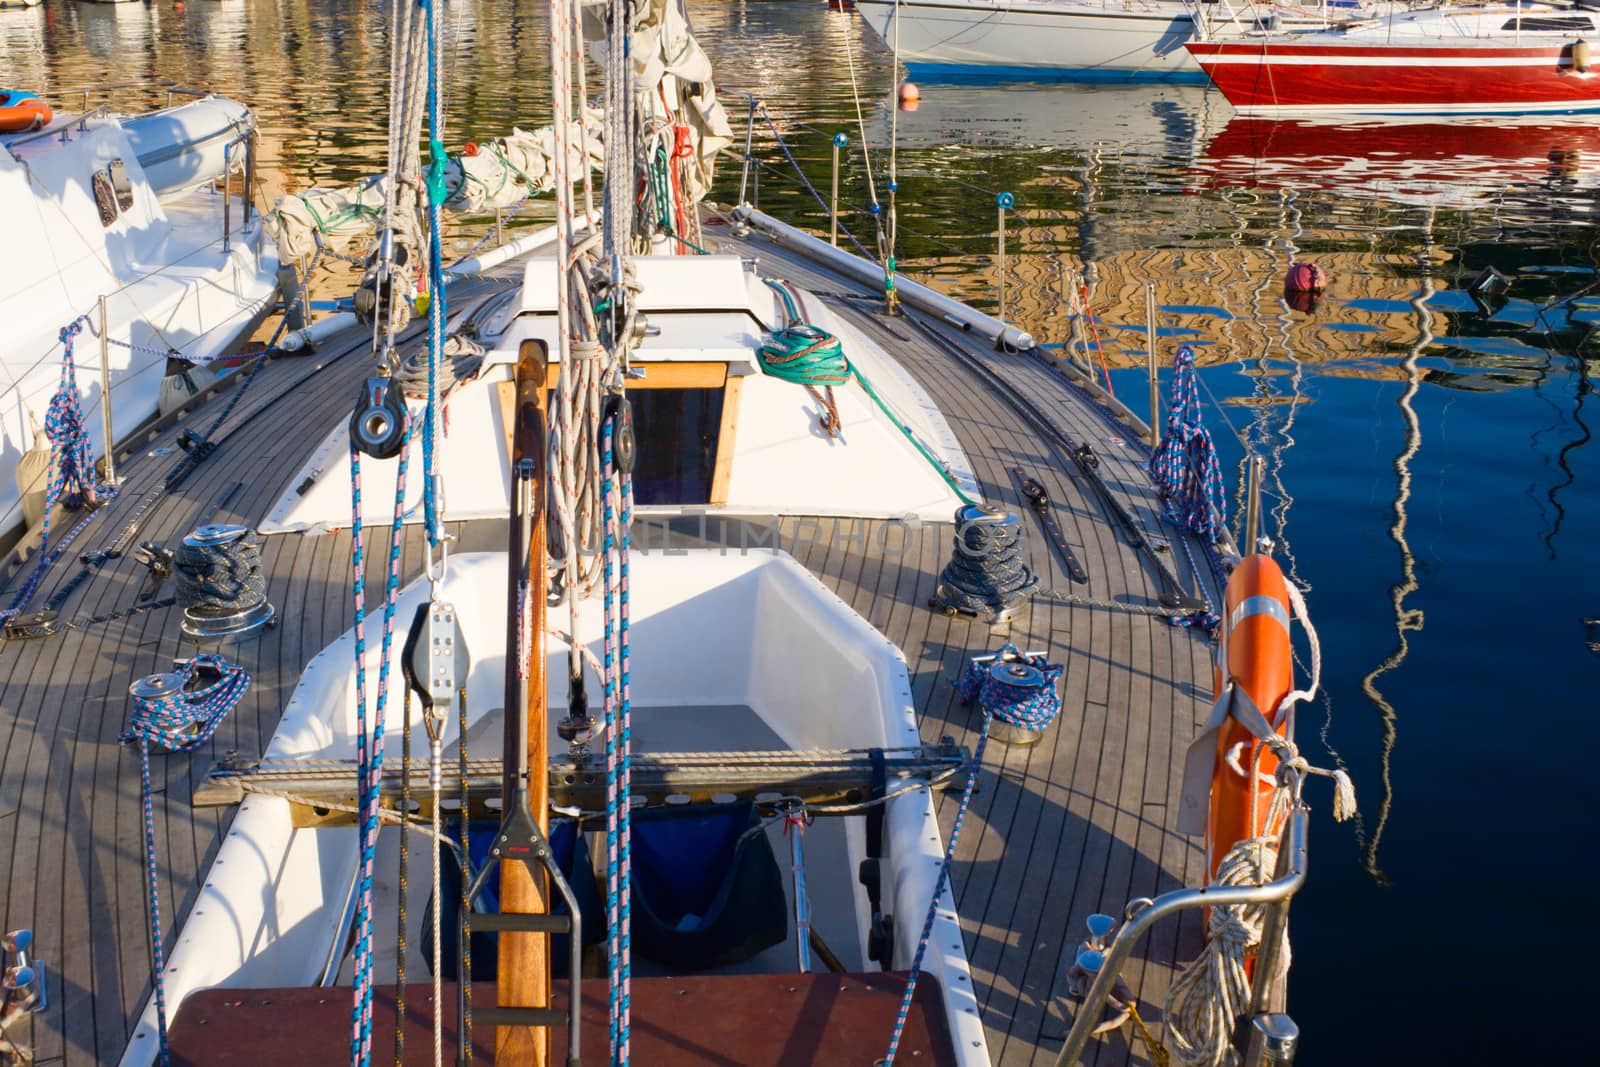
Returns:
<point x="22" y="111"/>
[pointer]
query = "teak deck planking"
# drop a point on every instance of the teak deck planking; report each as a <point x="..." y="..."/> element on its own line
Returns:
<point x="1077" y="823"/>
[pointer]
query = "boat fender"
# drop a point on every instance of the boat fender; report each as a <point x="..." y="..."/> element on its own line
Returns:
<point x="33" y="470"/>
<point x="378" y="424"/>
<point x="1305" y="278"/>
<point x="1580" y="56"/>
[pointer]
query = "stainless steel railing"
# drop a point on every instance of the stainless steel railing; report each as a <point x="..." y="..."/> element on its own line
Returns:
<point x="248" y="140"/>
<point x="1144" y="914"/>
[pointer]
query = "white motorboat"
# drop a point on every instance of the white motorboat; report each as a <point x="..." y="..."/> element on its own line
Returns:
<point x="137" y="224"/>
<point x="1076" y="40"/>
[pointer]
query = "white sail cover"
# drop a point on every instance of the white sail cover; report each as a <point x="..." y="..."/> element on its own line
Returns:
<point x="664" y="44"/>
<point x="482" y="177"/>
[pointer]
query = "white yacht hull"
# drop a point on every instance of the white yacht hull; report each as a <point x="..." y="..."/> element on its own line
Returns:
<point x="1068" y="39"/>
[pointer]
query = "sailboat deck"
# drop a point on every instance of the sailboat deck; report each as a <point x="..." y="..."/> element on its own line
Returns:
<point x="1077" y="823"/>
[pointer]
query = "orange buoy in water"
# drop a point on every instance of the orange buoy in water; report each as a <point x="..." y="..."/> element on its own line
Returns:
<point x="1259" y="660"/>
<point x="178" y="5"/>
<point x="1305" y="278"/>
<point x="909" y="96"/>
<point x="22" y="111"/>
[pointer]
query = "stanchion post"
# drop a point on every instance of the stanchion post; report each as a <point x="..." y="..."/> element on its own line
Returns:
<point x="105" y="395"/>
<point x="1002" y="203"/>
<point x="839" y="141"/>
<point x="1150" y="360"/>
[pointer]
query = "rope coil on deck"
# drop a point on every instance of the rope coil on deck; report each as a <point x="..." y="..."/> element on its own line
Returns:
<point x="986" y="574"/>
<point x="179" y="712"/>
<point x="1035" y="711"/>
<point x="220" y="576"/>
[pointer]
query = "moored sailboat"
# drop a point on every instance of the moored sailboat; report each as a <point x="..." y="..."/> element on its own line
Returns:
<point x="1502" y="58"/>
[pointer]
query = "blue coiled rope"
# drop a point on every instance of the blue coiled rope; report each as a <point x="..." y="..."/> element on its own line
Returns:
<point x="72" y="470"/>
<point x="1032" y="708"/>
<point x="369" y="752"/>
<point x="1185" y="466"/>
<point x="181" y="722"/>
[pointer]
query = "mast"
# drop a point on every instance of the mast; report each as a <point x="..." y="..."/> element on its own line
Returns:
<point x="524" y="962"/>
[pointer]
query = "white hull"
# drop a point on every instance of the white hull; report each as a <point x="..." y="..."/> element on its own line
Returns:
<point x="1062" y="38"/>
<point x="170" y="284"/>
<point x="752" y="629"/>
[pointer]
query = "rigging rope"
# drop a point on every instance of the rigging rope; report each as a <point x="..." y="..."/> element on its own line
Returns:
<point x="72" y="471"/>
<point x="1184" y="467"/>
<point x="1033" y="707"/>
<point x="200" y="695"/>
<point x="369" y="750"/>
<point x="618" y="501"/>
<point x="437" y="194"/>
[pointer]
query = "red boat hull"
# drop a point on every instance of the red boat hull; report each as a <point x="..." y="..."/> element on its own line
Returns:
<point x="1289" y="76"/>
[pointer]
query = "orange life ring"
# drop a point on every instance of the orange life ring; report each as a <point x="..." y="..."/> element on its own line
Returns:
<point x="21" y="111"/>
<point x="1260" y="661"/>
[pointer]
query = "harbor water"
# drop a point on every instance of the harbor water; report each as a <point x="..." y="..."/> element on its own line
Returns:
<point x="1424" y="425"/>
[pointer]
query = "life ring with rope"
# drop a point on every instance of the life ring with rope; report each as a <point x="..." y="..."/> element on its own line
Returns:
<point x="22" y="111"/>
<point x="1258" y="658"/>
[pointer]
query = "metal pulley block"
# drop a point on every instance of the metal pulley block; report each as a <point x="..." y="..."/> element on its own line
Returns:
<point x="577" y="729"/>
<point x="624" y="446"/>
<point x="378" y="423"/>
<point x="436" y="661"/>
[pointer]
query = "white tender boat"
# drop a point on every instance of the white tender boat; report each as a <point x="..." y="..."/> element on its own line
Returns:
<point x="131" y="210"/>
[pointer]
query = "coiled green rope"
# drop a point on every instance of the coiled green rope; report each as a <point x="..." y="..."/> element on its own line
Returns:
<point x="811" y="356"/>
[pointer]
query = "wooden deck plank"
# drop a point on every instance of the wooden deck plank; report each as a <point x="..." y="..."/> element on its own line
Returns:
<point x="1076" y="823"/>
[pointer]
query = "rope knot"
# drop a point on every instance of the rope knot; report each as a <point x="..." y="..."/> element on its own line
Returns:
<point x="71" y="330"/>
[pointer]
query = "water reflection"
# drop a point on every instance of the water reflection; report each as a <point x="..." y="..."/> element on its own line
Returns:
<point x="1406" y="620"/>
<point x="1468" y="162"/>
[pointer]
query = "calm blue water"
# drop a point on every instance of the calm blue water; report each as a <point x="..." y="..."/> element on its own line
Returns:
<point x="1433" y="478"/>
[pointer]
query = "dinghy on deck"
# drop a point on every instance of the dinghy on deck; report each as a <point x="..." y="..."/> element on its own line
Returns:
<point x="121" y="222"/>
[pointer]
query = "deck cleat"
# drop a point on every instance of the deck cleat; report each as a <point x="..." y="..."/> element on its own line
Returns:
<point x="41" y="623"/>
<point x="1081" y="976"/>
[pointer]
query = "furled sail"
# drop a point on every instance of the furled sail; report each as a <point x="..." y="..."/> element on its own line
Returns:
<point x="481" y="177"/>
